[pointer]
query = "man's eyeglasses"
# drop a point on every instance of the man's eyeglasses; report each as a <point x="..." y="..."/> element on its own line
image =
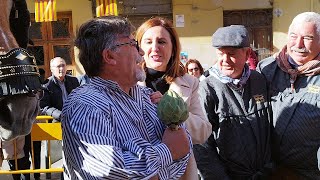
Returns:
<point x="194" y="69"/>
<point x="132" y="43"/>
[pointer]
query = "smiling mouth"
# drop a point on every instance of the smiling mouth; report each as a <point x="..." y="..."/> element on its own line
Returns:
<point x="156" y="57"/>
<point x="300" y="52"/>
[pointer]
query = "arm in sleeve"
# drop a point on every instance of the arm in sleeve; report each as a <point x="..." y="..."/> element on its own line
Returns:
<point x="197" y="123"/>
<point x="206" y="155"/>
<point x="208" y="104"/>
<point x="45" y="105"/>
<point x="92" y="150"/>
<point x="208" y="161"/>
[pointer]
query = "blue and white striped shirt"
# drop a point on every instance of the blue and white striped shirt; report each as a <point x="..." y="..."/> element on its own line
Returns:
<point x="111" y="135"/>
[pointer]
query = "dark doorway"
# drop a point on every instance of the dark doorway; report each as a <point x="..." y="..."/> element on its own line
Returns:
<point x="259" y="24"/>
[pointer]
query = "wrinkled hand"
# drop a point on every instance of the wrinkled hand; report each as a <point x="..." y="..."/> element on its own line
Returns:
<point x="155" y="97"/>
<point x="177" y="142"/>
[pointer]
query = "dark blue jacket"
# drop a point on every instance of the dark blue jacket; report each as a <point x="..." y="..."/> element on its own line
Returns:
<point x="51" y="103"/>
<point x="296" y="120"/>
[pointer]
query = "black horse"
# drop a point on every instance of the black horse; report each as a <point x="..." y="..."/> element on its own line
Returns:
<point x="20" y="86"/>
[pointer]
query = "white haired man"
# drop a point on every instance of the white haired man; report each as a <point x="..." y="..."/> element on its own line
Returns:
<point x="293" y="77"/>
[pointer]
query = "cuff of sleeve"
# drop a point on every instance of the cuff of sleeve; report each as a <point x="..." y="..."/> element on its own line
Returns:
<point x="164" y="154"/>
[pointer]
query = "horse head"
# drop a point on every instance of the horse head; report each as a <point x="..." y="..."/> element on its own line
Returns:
<point x="20" y="85"/>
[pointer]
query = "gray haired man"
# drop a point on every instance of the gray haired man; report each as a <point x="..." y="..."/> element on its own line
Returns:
<point x="293" y="77"/>
<point x="110" y="127"/>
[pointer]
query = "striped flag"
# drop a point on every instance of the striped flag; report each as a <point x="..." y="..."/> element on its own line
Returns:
<point x="106" y="8"/>
<point x="45" y="10"/>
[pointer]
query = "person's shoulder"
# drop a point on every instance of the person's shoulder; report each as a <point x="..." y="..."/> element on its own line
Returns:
<point x="49" y="81"/>
<point x="190" y="78"/>
<point x="89" y="95"/>
<point x="187" y="80"/>
<point x="209" y="83"/>
<point x="268" y="67"/>
<point x="257" y="76"/>
<point x="71" y="78"/>
<point x="267" y="62"/>
<point x="208" y="79"/>
<point x="205" y="74"/>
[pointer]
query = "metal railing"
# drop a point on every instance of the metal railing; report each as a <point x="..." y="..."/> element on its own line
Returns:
<point x="41" y="131"/>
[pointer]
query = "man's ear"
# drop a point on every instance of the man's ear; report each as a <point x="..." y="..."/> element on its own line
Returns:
<point x="108" y="57"/>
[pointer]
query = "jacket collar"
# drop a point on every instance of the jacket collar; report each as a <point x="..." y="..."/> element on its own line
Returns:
<point x="179" y="81"/>
<point x="56" y="81"/>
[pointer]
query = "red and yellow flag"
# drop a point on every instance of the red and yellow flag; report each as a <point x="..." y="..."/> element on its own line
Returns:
<point x="45" y="10"/>
<point x="106" y="8"/>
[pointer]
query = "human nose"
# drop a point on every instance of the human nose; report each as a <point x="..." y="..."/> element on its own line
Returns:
<point x="300" y="42"/>
<point x="155" y="46"/>
<point x="225" y="57"/>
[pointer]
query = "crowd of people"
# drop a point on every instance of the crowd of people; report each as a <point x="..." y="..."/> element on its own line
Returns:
<point x="247" y="120"/>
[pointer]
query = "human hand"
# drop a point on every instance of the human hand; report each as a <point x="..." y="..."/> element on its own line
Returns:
<point x="155" y="97"/>
<point x="155" y="177"/>
<point x="177" y="142"/>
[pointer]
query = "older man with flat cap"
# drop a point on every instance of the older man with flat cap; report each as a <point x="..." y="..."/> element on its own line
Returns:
<point x="236" y="103"/>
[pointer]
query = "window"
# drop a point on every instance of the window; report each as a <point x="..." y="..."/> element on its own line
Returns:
<point x="51" y="39"/>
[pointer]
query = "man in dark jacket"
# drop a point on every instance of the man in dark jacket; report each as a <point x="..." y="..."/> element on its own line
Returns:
<point x="236" y="102"/>
<point x="57" y="88"/>
<point x="293" y="75"/>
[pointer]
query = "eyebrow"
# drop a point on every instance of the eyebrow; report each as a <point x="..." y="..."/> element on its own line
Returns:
<point x="161" y="38"/>
<point x="309" y="36"/>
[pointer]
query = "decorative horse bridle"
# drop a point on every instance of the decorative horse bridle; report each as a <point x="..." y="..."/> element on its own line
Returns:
<point x="19" y="73"/>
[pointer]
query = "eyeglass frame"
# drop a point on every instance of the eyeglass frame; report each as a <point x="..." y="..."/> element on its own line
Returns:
<point x="136" y="44"/>
<point x="193" y="69"/>
<point x="60" y="66"/>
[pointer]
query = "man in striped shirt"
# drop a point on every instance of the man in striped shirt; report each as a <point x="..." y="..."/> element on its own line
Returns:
<point x="110" y="126"/>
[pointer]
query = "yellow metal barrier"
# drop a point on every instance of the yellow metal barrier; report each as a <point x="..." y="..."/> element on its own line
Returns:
<point x="42" y="130"/>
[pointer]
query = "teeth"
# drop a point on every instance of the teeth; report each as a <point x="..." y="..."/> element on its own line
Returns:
<point x="155" y="57"/>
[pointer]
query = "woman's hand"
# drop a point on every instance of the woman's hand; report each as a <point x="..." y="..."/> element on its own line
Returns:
<point x="155" y="97"/>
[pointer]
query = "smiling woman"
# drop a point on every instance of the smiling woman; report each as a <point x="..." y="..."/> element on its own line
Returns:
<point x="164" y="71"/>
